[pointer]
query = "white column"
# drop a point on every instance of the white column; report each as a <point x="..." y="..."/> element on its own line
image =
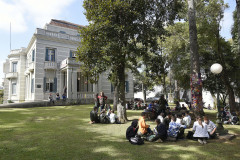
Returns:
<point x="10" y="89"/>
<point x="74" y="84"/>
<point x="69" y="83"/>
<point x="61" y="83"/>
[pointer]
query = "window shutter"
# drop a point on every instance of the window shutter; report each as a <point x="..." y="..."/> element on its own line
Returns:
<point x="55" y="85"/>
<point x="33" y="54"/>
<point x="46" y="56"/>
<point x="71" y="54"/>
<point x="127" y="86"/>
<point x="53" y="59"/>
<point x="32" y="86"/>
<point x="112" y="89"/>
<point x="44" y="84"/>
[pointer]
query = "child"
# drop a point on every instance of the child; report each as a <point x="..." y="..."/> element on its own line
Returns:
<point x="200" y="131"/>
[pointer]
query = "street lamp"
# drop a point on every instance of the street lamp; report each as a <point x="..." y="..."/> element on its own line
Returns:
<point x="217" y="69"/>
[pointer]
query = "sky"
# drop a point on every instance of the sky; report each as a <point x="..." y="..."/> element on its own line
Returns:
<point x="27" y="15"/>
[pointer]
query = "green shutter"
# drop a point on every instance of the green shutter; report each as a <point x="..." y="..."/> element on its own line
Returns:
<point x="33" y="54"/>
<point x="127" y="86"/>
<point x="46" y="55"/>
<point x="44" y="84"/>
<point x="70" y="54"/>
<point x="55" y="85"/>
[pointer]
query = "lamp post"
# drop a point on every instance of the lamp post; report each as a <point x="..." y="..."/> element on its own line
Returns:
<point x="217" y="69"/>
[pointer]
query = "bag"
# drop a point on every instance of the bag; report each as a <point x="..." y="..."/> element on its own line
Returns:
<point x="190" y="135"/>
<point x="104" y="119"/>
<point x="136" y="140"/>
<point x="150" y="138"/>
<point x="235" y="119"/>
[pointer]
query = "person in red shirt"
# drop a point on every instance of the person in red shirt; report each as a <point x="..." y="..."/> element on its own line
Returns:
<point x="102" y="100"/>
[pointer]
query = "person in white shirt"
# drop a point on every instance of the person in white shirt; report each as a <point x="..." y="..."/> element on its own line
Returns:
<point x="179" y="119"/>
<point x="200" y="131"/>
<point x="211" y="127"/>
<point x="160" y="117"/>
<point x="113" y="117"/>
<point x="187" y="120"/>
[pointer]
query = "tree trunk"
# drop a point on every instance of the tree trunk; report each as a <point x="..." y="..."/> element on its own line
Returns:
<point x="115" y="98"/>
<point x="176" y="91"/>
<point x="238" y="22"/>
<point x="121" y="92"/>
<point x="144" y="93"/>
<point x="196" y="82"/>
<point x="164" y="85"/>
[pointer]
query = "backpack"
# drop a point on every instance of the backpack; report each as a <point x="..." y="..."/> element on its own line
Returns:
<point x="190" y="135"/>
<point x="136" y="140"/>
<point x="104" y="119"/>
<point x="235" y="120"/>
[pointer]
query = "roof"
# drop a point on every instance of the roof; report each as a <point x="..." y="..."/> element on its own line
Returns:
<point x="65" y="24"/>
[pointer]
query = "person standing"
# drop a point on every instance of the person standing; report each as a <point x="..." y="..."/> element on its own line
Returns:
<point x="162" y="104"/>
<point x="102" y="100"/>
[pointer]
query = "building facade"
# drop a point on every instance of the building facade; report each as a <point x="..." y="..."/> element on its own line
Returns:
<point x="48" y="65"/>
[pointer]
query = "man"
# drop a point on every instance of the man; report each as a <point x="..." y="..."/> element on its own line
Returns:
<point x="102" y="100"/>
<point x="143" y="127"/>
<point x="160" y="131"/>
<point x="187" y="119"/>
<point x="162" y="104"/>
<point x="211" y="127"/>
<point x="113" y="117"/>
<point x="94" y="115"/>
<point x="174" y="129"/>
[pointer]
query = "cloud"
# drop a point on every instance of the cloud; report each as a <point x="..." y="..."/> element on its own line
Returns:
<point x="22" y="12"/>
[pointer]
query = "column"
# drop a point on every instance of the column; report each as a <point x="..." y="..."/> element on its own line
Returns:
<point x="74" y="84"/>
<point x="60" y="90"/>
<point x="69" y="83"/>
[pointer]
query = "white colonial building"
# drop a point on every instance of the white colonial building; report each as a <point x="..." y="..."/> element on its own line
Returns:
<point x="48" y="64"/>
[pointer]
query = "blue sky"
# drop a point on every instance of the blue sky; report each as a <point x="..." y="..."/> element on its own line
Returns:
<point x="27" y="15"/>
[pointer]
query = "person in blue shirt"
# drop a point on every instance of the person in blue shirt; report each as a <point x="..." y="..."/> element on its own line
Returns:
<point x="174" y="129"/>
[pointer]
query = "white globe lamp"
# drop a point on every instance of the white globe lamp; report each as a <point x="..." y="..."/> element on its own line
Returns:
<point x="216" y="68"/>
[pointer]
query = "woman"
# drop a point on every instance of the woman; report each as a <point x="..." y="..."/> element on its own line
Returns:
<point x="200" y="131"/>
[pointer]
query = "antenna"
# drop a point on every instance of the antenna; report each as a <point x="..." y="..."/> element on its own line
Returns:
<point x="10" y="38"/>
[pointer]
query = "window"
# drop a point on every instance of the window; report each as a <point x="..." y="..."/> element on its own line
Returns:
<point x="50" y="55"/>
<point x="83" y="84"/>
<point x="33" y="55"/>
<point x="50" y="85"/>
<point x="14" y="88"/>
<point x="32" y="85"/>
<point x="14" y="67"/>
<point x="72" y="54"/>
<point x="63" y="32"/>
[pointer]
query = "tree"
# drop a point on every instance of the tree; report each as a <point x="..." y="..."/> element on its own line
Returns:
<point x="196" y="82"/>
<point x="111" y="41"/>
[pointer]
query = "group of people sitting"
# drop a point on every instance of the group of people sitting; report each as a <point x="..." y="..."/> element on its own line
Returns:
<point x="171" y="126"/>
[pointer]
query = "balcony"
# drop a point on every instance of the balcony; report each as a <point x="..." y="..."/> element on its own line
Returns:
<point x="69" y="61"/>
<point x="11" y="75"/>
<point x="50" y="65"/>
<point x="57" y="35"/>
<point x="31" y="66"/>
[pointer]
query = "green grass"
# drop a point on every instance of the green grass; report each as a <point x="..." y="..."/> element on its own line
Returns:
<point x="64" y="133"/>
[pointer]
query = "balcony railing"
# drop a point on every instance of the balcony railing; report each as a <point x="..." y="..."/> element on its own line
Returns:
<point x="84" y="95"/>
<point x="57" y="35"/>
<point x="69" y="61"/>
<point x="12" y="75"/>
<point x="50" y="65"/>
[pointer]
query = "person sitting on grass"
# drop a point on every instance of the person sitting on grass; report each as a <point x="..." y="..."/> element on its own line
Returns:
<point x="174" y="129"/>
<point x="200" y="131"/>
<point x="211" y="127"/>
<point x="143" y="127"/>
<point x="179" y="119"/>
<point x="187" y="120"/>
<point x="161" y="117"/>
<point x="167" y="120"/>
<point x="104" y="118"/>
<point x="132" y="130"/>
<point x="113" y="117"/>
<point x="183" y="107"/>
<point x="94" y="115"/>
<point x="160" y="131"/>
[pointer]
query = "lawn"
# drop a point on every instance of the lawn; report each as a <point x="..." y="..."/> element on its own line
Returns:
<point x="64" y="133"/>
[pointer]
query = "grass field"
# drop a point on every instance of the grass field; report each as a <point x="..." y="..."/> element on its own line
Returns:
<point x="64" y="133"/>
